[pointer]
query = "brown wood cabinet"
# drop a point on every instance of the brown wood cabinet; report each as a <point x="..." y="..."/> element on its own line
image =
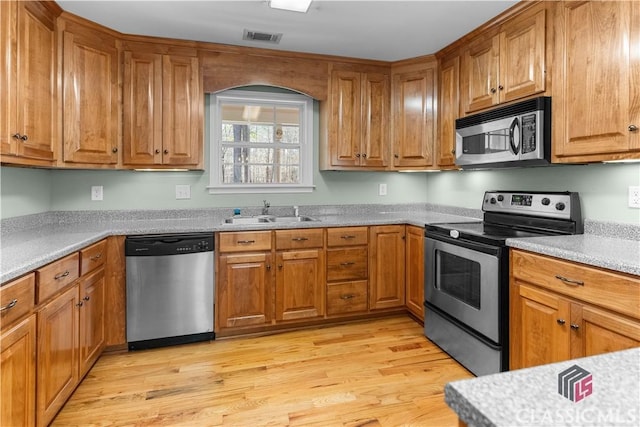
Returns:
<point x="92" y="325"/>
<point x="91" y="101"/>
<point x="386" y="266"/>
<point x="28" y="83"/>
<point x="448" y="110"/>
<point x="505" y="63"/>
<point x="414" y="114"/>
<point x="17" y="373"/>
<point x="162" y="103"/>
<point x="359" y="113"/>
<point x="300" y="274"/>
<point x="414" y="271"/>
<point x="245" y="280"/>
<point x="347" y="271"/>
<point x="596" y="99"/>
<point x="562" y="310"/>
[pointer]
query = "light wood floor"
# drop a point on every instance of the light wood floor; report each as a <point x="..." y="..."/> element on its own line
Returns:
<point x="374" y="373"/>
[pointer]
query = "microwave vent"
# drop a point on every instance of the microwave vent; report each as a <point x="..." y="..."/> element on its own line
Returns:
<point x="261" y="36"/>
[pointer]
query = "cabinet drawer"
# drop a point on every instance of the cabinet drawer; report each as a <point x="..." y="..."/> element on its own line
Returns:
<point x="615" y="291"/>
<point x="245" y="241"/>
<point x="294" y="239"/>
<point x="92" y="257"/>
<point x="348" y="297"/>
<point x="347" y="236"/>
<point x="17" y="298"/>
<point x="55" y="276"/>
<point x="347" y="264"/>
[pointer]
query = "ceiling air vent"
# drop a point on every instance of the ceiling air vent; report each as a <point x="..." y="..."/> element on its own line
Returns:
<point x="260" y="36"/>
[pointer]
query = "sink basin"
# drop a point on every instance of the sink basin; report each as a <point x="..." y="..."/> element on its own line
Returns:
<point x="263" y="219"/>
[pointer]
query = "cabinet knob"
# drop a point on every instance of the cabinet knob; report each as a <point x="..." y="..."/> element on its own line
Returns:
<point x="561" y="321"/>
<point x="114" y="150"/>
<point x="364" y="156"/>
<point x="501" y="87"/>
<point x="396" y="156"/>
<point x="280" y="266"/>
<point x="453" y="151"/>
<point x="493" y="90"/>
<point x="358" y="155"/>
<point x="157" y="151"/>
<point x="575" y="327"/>
<point x="86" y="298"/>
<point x="24" y="137"/>
<point x="17" y="136"/>
<point x="633" y="128"/>
<point x="268" y="267"/>
<point x="80" y="304"/>
<point x="166" y="151"/>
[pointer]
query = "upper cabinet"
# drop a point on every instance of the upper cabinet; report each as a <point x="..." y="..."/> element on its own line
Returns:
<point x="91" y="102"/>
<point x="163" y="103"/>
<point x="358" y="119"/>
<point x="448" y="110"/>
<point x="596" y="92"/>
<point x="506" y="62"/>
<point x="28" y="83"/>
<point x="414" y="108"/>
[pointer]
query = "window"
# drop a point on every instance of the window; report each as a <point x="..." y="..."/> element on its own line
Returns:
<point x="261" y="142"/>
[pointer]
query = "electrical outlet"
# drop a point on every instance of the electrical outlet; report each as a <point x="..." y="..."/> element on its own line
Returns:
<point x="96" y="192"/>
<point x="634" y="196"/>
<point x="183" y="192"/>
<point x="382" y="189"/>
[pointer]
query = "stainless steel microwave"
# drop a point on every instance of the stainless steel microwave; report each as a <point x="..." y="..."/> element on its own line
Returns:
<point x="513" y="136"/>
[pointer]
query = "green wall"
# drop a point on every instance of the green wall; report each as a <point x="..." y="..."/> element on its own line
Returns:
<point x="24" y="191"/>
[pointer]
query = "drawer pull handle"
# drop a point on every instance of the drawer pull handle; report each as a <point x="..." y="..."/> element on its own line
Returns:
<point x="348" y="236"/>
<point x="575" y="327"/>
<point x="245" y="242"/>
<point x="61" y="275"/>
<point x="299" y="239"/>
<point x="10" y="305"/>
<point x="348" y="263"/>
<point x="347" y="296"/>
<point x="97" y="257"/>
<point x="570" y="281"/>
<point x="561" y="321"/>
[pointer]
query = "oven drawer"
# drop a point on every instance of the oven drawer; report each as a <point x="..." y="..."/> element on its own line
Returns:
<point x="616" y="291"/>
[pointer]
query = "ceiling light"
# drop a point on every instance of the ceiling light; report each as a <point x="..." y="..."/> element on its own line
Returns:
<point x="292" y="5"/>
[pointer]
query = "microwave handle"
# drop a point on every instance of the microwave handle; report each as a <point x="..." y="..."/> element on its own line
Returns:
<point x="515" y="123"/>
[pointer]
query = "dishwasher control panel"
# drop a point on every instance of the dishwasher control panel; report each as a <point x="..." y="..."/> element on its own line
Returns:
<point x="168" y="244"/>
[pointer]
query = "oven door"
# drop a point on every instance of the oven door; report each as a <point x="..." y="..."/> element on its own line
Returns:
<point x="462" y="280"/>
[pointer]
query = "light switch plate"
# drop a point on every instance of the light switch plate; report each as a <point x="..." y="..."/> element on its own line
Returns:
<point x="96" y="192"/>
<point x="183" y="192"/>
<point x="382" y="189"/>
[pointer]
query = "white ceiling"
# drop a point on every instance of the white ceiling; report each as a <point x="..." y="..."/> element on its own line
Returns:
<point x="383" y="30"/>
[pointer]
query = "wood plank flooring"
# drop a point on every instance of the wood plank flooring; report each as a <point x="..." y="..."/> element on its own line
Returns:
<point x="374" y="373"/>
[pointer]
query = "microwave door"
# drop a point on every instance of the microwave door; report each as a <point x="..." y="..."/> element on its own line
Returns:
<point x="484" y="143"/>
<point x="514" y="135"/>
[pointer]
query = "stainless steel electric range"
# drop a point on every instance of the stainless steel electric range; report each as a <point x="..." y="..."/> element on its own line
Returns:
<point x="467" y="272"/>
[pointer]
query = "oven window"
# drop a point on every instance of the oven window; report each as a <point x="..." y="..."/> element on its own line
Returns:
<point x="458" y="277"/>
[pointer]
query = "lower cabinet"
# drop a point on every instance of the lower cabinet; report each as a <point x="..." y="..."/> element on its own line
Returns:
<point x="386" y="266"/>
<point x="70" y="339"/>
<point x="414" y="271"/>
<point x="17" y="374"/>
<point x="560" y="311"/>
<point x="300" y="284"/>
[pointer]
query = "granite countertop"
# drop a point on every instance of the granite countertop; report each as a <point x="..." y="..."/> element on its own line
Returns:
<point x="530" y="397"/>
<point x="28" y="243"/>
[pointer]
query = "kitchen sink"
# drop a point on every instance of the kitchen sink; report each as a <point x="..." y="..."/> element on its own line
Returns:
<point x="265" y="219"/>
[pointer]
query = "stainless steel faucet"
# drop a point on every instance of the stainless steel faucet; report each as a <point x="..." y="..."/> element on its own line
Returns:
<point x="265" y="207"/>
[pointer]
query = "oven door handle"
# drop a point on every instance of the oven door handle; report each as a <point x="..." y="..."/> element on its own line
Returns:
<point x="474" y="246"/>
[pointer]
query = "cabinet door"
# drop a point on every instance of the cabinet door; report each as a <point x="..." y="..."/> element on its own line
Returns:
<point x="28" y="127"/>
<point x="90" y="125"/>
<point x="300" y="280"/>
<point x="142" y="105"/>
<point x="92" y="335"/>
<point x="57" y="374"/>
<point x="182" y="105"/>
<point x="415" y="270"/>
<point x="604" y="332"/>
<point x="245" y="290"/>
<point x="375" y="128"/>
<point x="596" y="96"/>
<point x="414" y="118"/>
<point x="480" y="64"/>
<point x="17" y="374"/>
<point x="387" y="256"/>
<point x="522" y="56"/>
<point x="345" y="118"/>
<point x="448" y="110"/>
<point x="540" y="328"/>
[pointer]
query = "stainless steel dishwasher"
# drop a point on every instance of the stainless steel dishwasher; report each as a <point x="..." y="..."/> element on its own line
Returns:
<point x="170" y="289"/>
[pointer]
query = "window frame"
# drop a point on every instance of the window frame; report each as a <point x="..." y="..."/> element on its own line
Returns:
<point x="305" y="103"/>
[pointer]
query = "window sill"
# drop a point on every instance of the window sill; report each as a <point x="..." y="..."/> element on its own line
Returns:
<point x="260" y="189"/>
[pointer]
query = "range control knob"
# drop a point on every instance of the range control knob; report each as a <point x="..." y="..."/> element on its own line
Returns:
<point x="560" y="206"/>
<point x="500" y="197"/>
<point x="546" y="201"/>
<point x="493" y="200"/>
